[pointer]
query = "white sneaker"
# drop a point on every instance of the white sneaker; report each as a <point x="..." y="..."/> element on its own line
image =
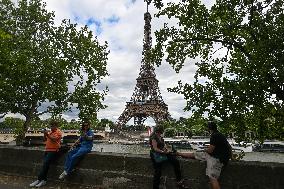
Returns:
<point x="42" y="183"/>
<point x="34" y="183"/>
<point x="63" y="175"/>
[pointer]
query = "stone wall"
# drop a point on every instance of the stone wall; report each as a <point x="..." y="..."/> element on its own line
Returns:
<point x="109" y="170"/>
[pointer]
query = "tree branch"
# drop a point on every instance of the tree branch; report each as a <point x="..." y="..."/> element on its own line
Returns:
<point x="234" y="44"/>
<point x="251" y="22"/>
<point x="251" y="13"/>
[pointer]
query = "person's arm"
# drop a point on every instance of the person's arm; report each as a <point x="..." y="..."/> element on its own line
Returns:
<point x="156" y="149"/>
<point x="74" y="145"/>
<point x="212" y="145"/>
<point x="78" y="141"/>
<point x="231" y="152"/>
<point x="45" y="133"/>
<point x="210" y="149"/>
<point x="89" y="136"/>
<point x="53" y="138"/>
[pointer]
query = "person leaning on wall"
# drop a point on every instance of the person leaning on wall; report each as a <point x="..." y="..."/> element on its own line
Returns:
<point x="216" y="155"/>
<point x="160" y="155"/>
<point x="52" y="145"/>
<point x="80" y="148"/>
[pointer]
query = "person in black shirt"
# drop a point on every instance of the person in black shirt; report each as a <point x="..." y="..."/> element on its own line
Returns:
<point x="216" y="155"/>
<point x="159" y="155"/>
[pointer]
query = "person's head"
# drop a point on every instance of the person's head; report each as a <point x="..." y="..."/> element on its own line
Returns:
<point x="212" y="126"/>
<point x="53" y="125"/>
<point x="159" y="129"/>
<point x="85" y="125"/>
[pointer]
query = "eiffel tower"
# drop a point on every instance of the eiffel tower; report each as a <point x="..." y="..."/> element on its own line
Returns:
<point x="146" y="100"/>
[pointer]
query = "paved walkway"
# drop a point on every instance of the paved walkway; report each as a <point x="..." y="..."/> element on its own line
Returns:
<point x="17" y="182"/>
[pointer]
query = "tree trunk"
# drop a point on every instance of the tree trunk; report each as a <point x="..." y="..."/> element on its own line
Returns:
<point x="21" y="135"/>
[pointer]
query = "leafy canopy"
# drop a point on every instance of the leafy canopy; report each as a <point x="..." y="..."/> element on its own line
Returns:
<point x="46" y="68"/>
<point x="238" y="48"/>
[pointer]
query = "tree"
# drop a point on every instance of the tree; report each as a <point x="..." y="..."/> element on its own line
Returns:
<point x="3" y="47"/>
<point x="170" y="132"/>
<point x="15" y="124"/>
<point x="46" y="68"/>
<point x="238" y="47"/>
<point x="197" y="125"/>
<point x="103" y="123"/>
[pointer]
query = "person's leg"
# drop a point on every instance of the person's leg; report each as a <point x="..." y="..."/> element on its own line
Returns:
<point x="67" y="163"/>
<point x="175" y="163"/>
<point x="157" y="175"/>
<point x="48" y="158"/>
<point x="157" y="172"/>
<point x="214" y="183"/>
<point x="213" y="171"/>
<point x="73" y="159"/>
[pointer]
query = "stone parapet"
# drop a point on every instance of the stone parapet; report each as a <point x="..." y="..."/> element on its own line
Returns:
<point x="117" y="171"/>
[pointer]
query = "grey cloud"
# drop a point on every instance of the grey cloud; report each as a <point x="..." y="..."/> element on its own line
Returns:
<point x="125" y="41"/>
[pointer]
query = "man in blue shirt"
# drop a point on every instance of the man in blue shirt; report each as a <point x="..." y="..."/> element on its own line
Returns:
<point x="81" y="147"/>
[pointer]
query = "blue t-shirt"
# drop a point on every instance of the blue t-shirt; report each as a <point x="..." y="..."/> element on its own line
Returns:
<point x="87" y="143"/>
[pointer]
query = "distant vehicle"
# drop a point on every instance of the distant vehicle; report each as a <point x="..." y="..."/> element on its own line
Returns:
<point x="178" y="143"/>
<point x="270" y="146"/>
<point x="241" y="146"/>
<point x="199" y="143"/>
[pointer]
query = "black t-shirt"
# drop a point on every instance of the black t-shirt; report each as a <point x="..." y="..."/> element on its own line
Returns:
<point x="222" y="149"/>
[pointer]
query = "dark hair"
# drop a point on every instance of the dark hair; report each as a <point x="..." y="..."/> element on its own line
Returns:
<point x="54" y="123"/>
<point x="212" y="125"/>
<point x="86" y="123"/>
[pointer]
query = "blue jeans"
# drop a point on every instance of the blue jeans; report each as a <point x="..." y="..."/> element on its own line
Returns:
<point x="73" y="156"/>
<point x="49" y="157"/>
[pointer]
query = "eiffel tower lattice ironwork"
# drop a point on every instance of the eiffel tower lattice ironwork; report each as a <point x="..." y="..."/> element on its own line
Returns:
<point x="146" y="100"/>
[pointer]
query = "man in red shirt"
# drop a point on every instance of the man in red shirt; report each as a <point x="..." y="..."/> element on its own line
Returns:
<point x="52" y="145"/>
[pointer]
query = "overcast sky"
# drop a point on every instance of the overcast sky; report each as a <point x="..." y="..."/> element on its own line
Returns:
<point x="120" y="23"/>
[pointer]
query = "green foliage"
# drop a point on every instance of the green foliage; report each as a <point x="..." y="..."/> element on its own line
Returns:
<point x="238" y="48"/>
<point x="46" y="68"/>
<point x="4" y="35"/>
<point x="103" y="123"/>
<point x="197" y="126"/>
<point x="16" y="124"/>
<point x="170" y="132"/>
<point x="72" y="125"/>
<point x="189" y="126"/>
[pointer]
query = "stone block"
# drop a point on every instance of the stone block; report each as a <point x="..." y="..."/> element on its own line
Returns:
<point x="140" y="165"/>
<point x="121" y="171"/>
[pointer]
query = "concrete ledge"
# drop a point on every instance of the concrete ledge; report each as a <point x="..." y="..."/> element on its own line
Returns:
<point x="110" y="170"/>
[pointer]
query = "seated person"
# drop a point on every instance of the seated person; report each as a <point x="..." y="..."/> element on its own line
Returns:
<point x="81" y="147"/>
<point x="159" y="150"/>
